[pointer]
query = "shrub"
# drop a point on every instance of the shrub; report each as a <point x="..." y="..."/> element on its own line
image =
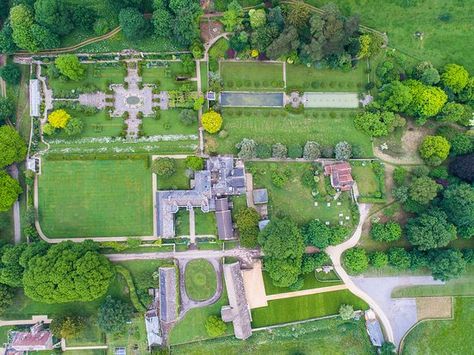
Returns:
<point x="164" y="167"/>
<point x="194" y="163"/>
<point x="279" y="151"/>
<point x="399" y="175"/>
<point x="188" y="117"/>
<point x="295" y="151"/>
<point x="343" y="151"/>
<point x="211" y="121"/>
<point x="264" y="151"/>
<point x="247" y="224"/>
<point x="378" y="259"/>
<point x="279" y="179"/>
<point x="247" y="149"/>
<point x="387" y="232"/>
<point x="346" y="312"/>
<point x="356" y="260"/>
<point x="311" y="151"/>
<point x="399" y="258"/>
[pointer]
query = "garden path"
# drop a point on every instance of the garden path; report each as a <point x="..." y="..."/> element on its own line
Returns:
<point x="48" y="94"/>
<point x="311" y="291"/>
<point x="32" y="321"/>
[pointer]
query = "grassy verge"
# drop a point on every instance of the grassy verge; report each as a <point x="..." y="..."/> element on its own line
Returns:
<point x="252" y="76"/>
<point x="200" y="280"/>
<point x="168" y="124"/>
<point x="304" y="307"/>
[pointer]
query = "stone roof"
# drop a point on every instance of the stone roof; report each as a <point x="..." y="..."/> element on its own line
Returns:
<point x="153" y="330"/>
<point x="35" y="339"/>
<point x="340" y="173"/>
<point x="373" y="328"/>
<point x="238" y="310"/>
<point x="225" y="229"/>
<point x="168" y="306"/>
<point x="260" y="196"/>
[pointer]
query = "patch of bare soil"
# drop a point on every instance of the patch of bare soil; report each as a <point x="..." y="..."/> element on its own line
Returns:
<point x="434" y="307"/>
<point x="210" y="29"/>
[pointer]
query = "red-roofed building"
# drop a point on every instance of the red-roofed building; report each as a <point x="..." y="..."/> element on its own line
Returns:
<point x="34" y="340"/>
<point x="340" y="174"/>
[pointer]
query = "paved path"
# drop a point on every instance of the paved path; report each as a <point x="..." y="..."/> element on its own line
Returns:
<point x="401" y="312"/>
<point x="192" y="226"/>
<point x="335" y="253"/>
<point x="16" y="209"/>
<point x="312" y="291"/>
<point x="32" y="321"/>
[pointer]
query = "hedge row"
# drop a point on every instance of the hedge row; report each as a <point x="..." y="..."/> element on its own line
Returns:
<point x="277" y="84"/>
<point x="131" y="287"/>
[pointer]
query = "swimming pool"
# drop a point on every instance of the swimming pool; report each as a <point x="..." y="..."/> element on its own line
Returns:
<point x="252" y="99"/>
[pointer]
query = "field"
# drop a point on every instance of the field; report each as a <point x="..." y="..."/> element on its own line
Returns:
<point x="444" y="336"/>
<point x="168" y="124"/>
<point x="177" y="181"/>
<point x="309" y="283"/>
<point x="304" y="307"/>
<point x="446" y="27"/>
<point x="294" y="199"/>
<point x="95" y="198"/>
<point x="200" y="280"/>
<point x="327" y="127"/>
<point x="252" y="76"/>
<point x="328" y="336"/>
<point x="164" y="75"/>
<point x="311" y="79"/>
<point x="191" y="327"/>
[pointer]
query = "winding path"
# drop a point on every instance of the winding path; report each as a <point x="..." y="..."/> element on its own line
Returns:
<point x="335" y="253"/>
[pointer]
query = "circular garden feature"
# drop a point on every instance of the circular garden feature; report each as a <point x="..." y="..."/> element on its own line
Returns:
<point x="133" y="100"/>
<point x="200" y="280"/>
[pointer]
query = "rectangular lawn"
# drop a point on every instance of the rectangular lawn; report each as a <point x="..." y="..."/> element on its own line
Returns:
<point x="327" y="127"/>
<point x="166" y="75"/>
<point x="304" y="307"/>
<point x="95" y="198"/>
<point x="169" y="123"/>
<point x="252" y="76"/>
<point x="310" y="282"/>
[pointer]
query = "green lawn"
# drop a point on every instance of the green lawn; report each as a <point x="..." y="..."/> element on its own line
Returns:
<point x="96" y="78"/>
<point x="444" y="336"/>
<point x="191" y="327"/>
<point x="178" y="181"/>
<point x="310" y="79"/>
<point x="309" y="283"/>
<point x="294" y="199"/>
<point x="168" y="124"/>
<point x="204" y="78"/>
<point x="95" y="198"/>
<point x="252" y="76"/>
<point x="205" y="222"/>
<point x="165" y="74"/>
<point x="134" y="338"/>
<point x="444" y="41"/>
<point x="304" y="307"/>
<point x="367" y="182"/>
<point x="200" y="279"/>
<point x="182" y="222"/>
<point x="327" y="127"/>
<point x="329" y="336"/>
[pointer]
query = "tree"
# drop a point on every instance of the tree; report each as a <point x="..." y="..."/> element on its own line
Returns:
<point x="247" y="149"/>
<point x="165" y="167"/>
<point x="343" y="151"/>
<point x="211" y="121"/>
<point x="215" y="326"/>
<point x="283" y="247"/>
<point x="452" y="112"/>
<point x="11" y="272"/>
<point x="423" y="190"/>
<point x="386" y="232"/>
<point x="346" y="312"/>
<point x="113" y="315"/>
<point x="258" y="18"/>
<point x="10" y="73"/>
<point x="74" y="126"/>
<point x="427" y="101"/>
<point x="356" y="260"/>
<point x="186" y="29"/>
<point x="247" y="224"/>
<point x="101" y="26"/>
<point x="279" y="151"/>
<point x="69" y="66"/>
<point x="399" y="175"/>
<point x="44" y="37"/>
<point x="387" y="348"/>
<point x="7" y="44"/>
<point x="395" y="96"/>
<point x="461" y="144"/>
<point x="458" y="204"/>
<point x="430" y="230"/>
<point x="285" y="43"/>
<point x="298" y="14"/>
<point x="6" y="297"/>
<point x="447" y="264"/>
<point x="162" y="22"/>
<point x="83" y="17"/>
<point x="67" y="326"/>
<point x="378" y="124"/>
<point x="463" y="167"/>
<point x="311" y="262"/>
<point x="188" y="117"/>
<point x="232" y="18"/>
<point x="399" y="258"/>
<point x="59" y="118"/>
<point x="455" y="77"/>
<point x="21" y="20"/>
<point x="12" y="146"/>
<point x="378" y="259"/>
<point x="68" y="272"/>
<point x="55" y="15"/>
<point x="434" y="149"/>
<point x="133" y="23"/>
<point x="7" y="109"/>
<point x="311" y="151"/>
<point x="317" y="234"/>
<point x="194" y="163"/>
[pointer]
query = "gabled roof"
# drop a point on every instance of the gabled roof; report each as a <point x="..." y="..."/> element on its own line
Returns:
<point x="168" y="307"/>
<point x="341" y="177"/>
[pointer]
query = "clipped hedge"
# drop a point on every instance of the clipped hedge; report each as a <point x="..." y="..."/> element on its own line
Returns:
<point x="131" y="286"/>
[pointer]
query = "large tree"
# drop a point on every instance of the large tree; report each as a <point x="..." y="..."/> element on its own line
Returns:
<point x="21" y="19"/>
<point x="7" y="109"/>
<point x="67" y="326"/>
<point x="434" y="149"/>
<point x="427" y="101"/>
<point x="378" y="124"/>
<point x="12" y="146"/>
<point x="55" y="15"/>
<point x="6" y="297"/>
<point x="430" y="230"/>
<point x="356" y="260"/>
<point x="463" y="167"/>
<point x="458" y="203"/>
<point x="7" y="44"/>
<point x="68" y="272"/>
<point x="114" y="315"/>
<point x="395" y="96"/>
<point x="447" y="264"/>
<point x="11" y="271"/>
<point x="69" y="66"/>
<point x="423" y="190"/>
<point x="317" y="234"/>
<point x="386" y="232"/>
<point x="133" y="23"/>
<point x="455" y="77"/>
<point x="283" y="247"/>
<point x="11" y="74"/>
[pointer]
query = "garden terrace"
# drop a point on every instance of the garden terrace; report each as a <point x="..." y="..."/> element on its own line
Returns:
<point x="164" y="74"/>
<point x="295" y="199"/>
<point x="97" y="198"/>
<point x="301" y="77"/>
<point x="252" y="76"/>
<point x="270" y="126"/>
<point x="169" y="123"/>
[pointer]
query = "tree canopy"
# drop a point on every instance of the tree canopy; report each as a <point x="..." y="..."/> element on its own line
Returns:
<point x="423" y="190"/>
<point x="430" y="230"/>
<point x="69" y="66"/>
<point x="378" y="124"/>
<point x="458" y="204"/>
<point x="455" y="77"/>
<point x="447" y="264"/>
<point x="68" y="272"/>
<point x="386" y="232"/>
<point x="356" y="260"/>
<point x="7" y="109"/>
<point x="212" y="121"/>
<point x="434" y="149"/>
<point x="11" y="74"/>
<point x="6" y="297"/>
<point x="113" y="315"/>
<point x="54" y="15"/>
<point x="133" y="23"/>
<point x="463" y="167"/>
<point x="247" y="224"/>
<point x="12" y="146"/>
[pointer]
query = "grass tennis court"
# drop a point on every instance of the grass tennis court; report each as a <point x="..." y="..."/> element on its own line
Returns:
<point x="95" y="198"/>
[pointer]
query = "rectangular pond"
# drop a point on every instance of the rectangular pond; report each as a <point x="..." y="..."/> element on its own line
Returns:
<point x="330" y="100"/>
<point x="252" y="99"/>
